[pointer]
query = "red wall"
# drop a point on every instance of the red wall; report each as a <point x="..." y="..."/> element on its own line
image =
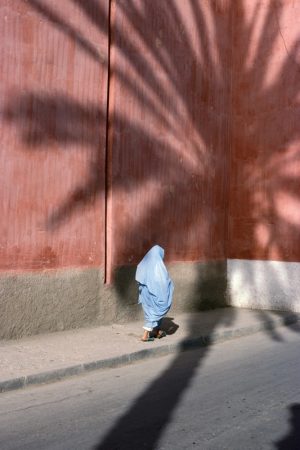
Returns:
<point x="203" y="144"/>
<point x="53" y="96"/>
<point x="264" y="202"/>
<point x="170" y="106"/>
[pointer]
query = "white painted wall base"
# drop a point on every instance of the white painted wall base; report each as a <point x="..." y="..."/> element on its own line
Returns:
<point x="264" y="284"/>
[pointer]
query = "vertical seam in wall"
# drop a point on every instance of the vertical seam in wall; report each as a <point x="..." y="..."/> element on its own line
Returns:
<point x="108" y="154"/>
<point x="230" y="132"/>
<point x="229" y="151"/>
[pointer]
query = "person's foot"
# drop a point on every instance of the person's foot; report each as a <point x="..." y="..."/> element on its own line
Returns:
<point x="146" y="337"/>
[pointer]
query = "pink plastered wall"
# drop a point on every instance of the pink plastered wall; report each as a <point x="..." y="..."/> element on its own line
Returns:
<point x="264" y="199"/>
<point x="53" y="97"/>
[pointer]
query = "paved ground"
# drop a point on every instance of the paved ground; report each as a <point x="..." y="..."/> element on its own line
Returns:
<point x="45" y="358"/>
<point x="242" y="394"/>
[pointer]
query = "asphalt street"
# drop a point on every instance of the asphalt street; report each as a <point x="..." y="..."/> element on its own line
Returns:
<point x="238" y="395"/>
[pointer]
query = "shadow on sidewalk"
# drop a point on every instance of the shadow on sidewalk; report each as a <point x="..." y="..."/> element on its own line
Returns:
<point x="169" y="326"/>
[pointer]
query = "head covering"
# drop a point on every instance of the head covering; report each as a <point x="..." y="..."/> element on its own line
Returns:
<point x="152" y="273"/>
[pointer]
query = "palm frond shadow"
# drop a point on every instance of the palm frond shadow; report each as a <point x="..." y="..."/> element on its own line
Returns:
<point x="292" y="440"/>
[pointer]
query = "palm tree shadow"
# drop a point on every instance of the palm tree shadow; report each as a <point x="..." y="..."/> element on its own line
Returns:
<point x="143" y="424"/>
<point x="292" y="440"/>
<point x="291" y="321"/>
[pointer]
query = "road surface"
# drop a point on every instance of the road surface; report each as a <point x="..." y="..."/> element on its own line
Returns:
<point x="238" y="395"/>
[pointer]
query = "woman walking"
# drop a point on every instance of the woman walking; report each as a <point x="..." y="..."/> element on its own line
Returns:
<point x="155" y="291"/>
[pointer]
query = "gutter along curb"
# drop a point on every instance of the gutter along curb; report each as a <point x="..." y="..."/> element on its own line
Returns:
<point x="147" y="353"/>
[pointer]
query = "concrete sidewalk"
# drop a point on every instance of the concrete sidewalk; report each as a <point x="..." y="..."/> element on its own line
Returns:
<point x="51" y="357"/>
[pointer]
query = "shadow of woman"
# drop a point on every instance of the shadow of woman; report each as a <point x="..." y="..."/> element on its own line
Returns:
<point x="169" y="326"/>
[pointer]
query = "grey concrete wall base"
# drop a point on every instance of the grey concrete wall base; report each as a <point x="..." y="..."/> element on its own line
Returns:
<point x="151" y="352"/>
<point x="33" y="303"/>
<point x="264" y="284"/>
<point x="199" y="286"/>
